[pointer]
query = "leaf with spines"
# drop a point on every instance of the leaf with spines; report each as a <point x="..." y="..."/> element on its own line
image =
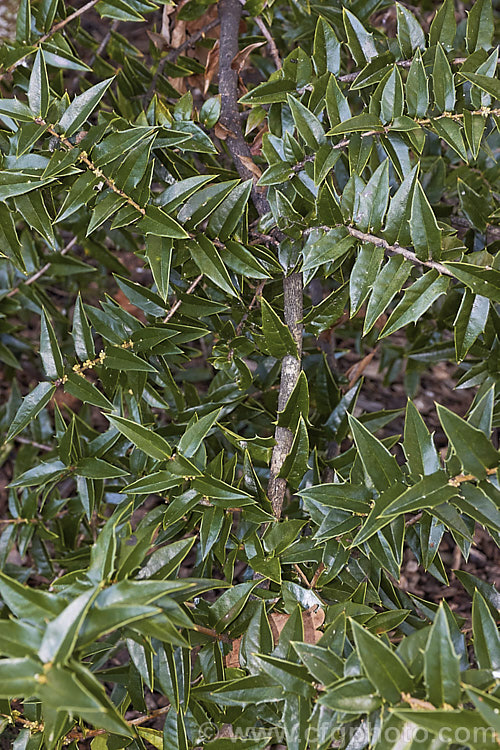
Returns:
<point x="373" y="200"/>
<point x="475" y="452"/>
<point x="50" y="352"/>
<point x="81" y="333"/>
<point x="359" y="40"/>
<point x="379" y="464"/>
<point x="443" y="26"/>
<point x="382" y="666"/>
<point x="388" y="283"/>
<point x="410" y="34"/>
<point x="418" y="444"/>
<point x="424" y="230"/>
<point x="38" y="88"/>
<point x="416" y="301"/>
<point x="443" y="82"/>
<point x="470" y="322"/>
<point x="307" y="124"/>
<point x="82" y="107"/>
<point x="145" y="439"/>
<point x="480" y="26"/>
<point x="441" y="664"/>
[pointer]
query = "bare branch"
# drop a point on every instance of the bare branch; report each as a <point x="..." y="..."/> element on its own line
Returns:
<point x="42" y="270"/>
<point x="230" y="16"/>
<point x="58" y="26"/>
<point x="408" y="254"/>
<point x="270" y="41"/>
<point x="177" y="304"/>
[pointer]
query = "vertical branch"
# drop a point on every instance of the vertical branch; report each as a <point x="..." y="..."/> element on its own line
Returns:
<point x="290" y="370"/>
<point x="230" y="17"/>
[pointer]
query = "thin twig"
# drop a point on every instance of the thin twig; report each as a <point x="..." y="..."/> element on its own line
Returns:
<point x="65" y="21"/>
<point x="357" y="369"/>
<point x="230" y="15"/>
<point x="350" y="77"/>
<point x="408" y="254"/>
<point x="424" y="122"/>
<point x="302" y="575"/>
<point x="104" y="42"/>
<point x="258" y="293"/>
<point x="40" y="446"/>
<point x="57" y="27"/>
<point x="457" y="481"/>
<point x="83" y="157"/>
<point x="414" y="520"/>
<point x="273" y="49"/>
<point x="77" y="736"/>
<point x="213" y="633"/>
<point x="321" y="567"/>
<point x="175" y="53"/>
<point x="177" y="304"/>
<point x="42" y="270"/>
<point x="191" y="40"/>
<point x="290" y="371"/>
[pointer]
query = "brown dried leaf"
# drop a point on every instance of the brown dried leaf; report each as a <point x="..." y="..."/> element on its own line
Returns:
<point x="256" y="147"/>
<point x="240" y="60"/>
<point x="312" y="619"/>
<point x="251" y="166"/>
<point x="178" y="36"/>
<point x="212" y="66"/>
<point x="232" y="659"/>
<point x="222" y="132"/>
<point x="417" y="703"/>
<point x="158" y="40"/>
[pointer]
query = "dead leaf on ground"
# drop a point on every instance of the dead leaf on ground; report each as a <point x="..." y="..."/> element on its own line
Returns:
<point x="124" y="302"/>
<point x="312" y="619"/>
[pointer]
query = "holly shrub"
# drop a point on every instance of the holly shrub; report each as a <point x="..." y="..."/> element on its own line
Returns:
<point x="204" y="209"/>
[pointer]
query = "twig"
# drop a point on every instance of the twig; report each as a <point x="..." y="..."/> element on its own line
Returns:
<point x="192" y="40"/>
<point x="457" y="481"/>
<point x="177" y="304"/>
<point x="273" y="49"/>
<point x="302" y="575"/>
<point x="290" y="371"/>
<point x="79" y="736"/>
<point x="213" y="633"/>
<point x="408" y="254"/>
<point x="350" y="77"/>
<point x="321" y="567"/>
<point x="484" y="111"/>
<point x="40" y="446"/>
<point x="83" y="157"/>
<point x="357" y="369"/>
<point x="258" y="293"/>
<point x="104" y="41"/>
<point x="68" y="19"/>
<point x="414" y="520"/>
<point x="230" y="15"/>
<point x="57" y="27"/>
<point x="42" y="270"/>
<point x="174" y="54"/>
